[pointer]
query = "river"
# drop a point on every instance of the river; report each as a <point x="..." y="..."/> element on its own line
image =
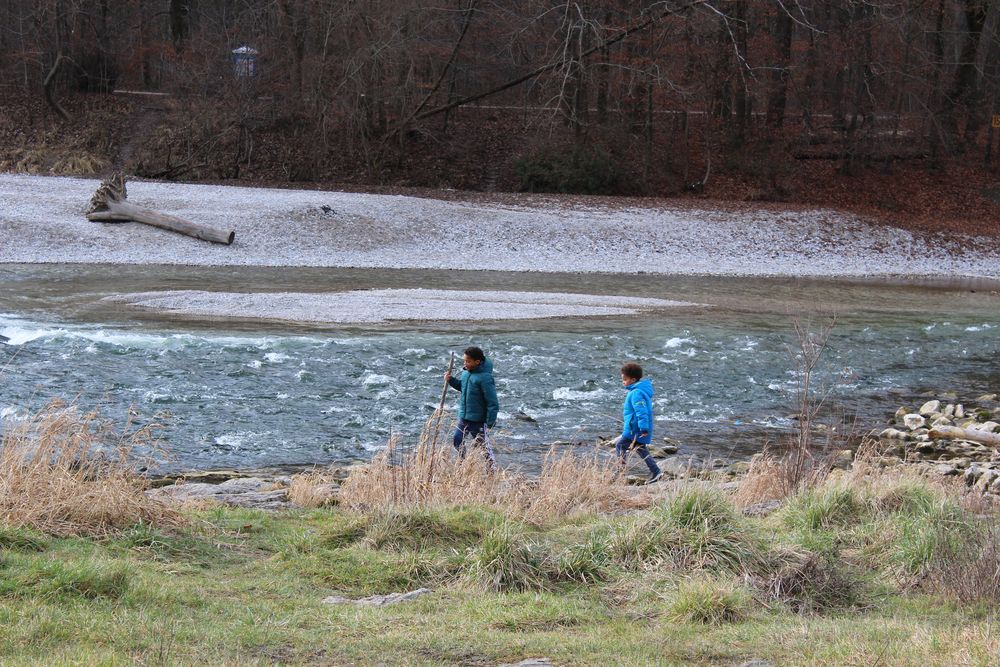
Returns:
<point x="250" y="394"/>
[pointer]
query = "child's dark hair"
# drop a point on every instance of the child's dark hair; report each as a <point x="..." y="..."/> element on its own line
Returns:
<point x="632" y="370"/>
<point x="476" y="353"/>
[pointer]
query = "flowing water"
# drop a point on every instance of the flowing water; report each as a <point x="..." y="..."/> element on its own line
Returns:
<point x="249" y="394"/>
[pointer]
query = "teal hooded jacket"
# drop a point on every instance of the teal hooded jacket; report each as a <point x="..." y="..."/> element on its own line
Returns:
<point x="479" y="394"/>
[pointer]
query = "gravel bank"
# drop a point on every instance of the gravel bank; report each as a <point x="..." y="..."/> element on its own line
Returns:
<point x="42" y="221"/>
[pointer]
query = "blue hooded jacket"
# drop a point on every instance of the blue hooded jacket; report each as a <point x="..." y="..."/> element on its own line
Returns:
<point x="479" y="394"/>
<point x="638" y="412"/>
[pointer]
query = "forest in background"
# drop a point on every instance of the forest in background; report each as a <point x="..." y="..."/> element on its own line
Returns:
<point x="872" y="104"/>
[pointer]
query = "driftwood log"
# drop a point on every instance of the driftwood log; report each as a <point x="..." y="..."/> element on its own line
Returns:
<point x="109" y="205"/>
<point x="972" y="435"/>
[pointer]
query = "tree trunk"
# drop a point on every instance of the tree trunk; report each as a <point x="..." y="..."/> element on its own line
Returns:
<point x="123" y="211"/>
<point x="49" y="84"/>
<point x="955" y="433"/>
<point x="178" y="23"/>
<point x="742" y="106"/>
<point x="779" y="74"/>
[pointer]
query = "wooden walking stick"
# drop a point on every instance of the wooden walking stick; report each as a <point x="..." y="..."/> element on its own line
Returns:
<point x="437" y="424"/>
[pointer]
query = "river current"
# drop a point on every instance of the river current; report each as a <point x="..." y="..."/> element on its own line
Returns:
<point x="245" y="394"/>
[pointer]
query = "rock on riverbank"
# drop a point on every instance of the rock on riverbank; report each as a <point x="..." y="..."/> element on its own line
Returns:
<point x="924" y="437"/>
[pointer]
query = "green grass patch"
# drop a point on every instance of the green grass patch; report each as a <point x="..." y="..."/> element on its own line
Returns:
<point x="48" y="577"/>
<point x="21" y="539"/>
<point x="687" y="582"/>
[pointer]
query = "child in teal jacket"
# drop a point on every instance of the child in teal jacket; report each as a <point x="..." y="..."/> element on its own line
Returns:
<point x="478" y="408"/>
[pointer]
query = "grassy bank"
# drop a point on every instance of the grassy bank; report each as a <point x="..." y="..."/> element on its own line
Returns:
<point x="865" y="567"/>
<point x="839" y="575"/>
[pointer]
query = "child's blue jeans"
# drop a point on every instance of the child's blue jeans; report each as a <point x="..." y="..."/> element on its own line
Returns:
<point x="625" y="444"/>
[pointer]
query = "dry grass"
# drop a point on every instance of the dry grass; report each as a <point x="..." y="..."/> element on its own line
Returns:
<point x="65" y="472"/>
<point x="772" y="477"/>
<point x="431" y="475"/>
<point x="58" y="163"/>
<point x="313" y="489"/>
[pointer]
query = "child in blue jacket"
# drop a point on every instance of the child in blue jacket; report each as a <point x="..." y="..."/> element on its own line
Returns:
<point x="638" y="414"/>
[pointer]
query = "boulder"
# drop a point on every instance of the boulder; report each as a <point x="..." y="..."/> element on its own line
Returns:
<point x="987" y="479"/>
<point x="377" y="600"/>
<point x="946" y="470"/>
<point x="762" y="508"/>
<point x="247" y="492"/>
<point x="739" y="468"/>
<point x="930" y="407"/>
<point x="897" y="451"/>
<point x="972" y="474"/>
<point x="894" y="434"/>
<point x="842" y="459"/>
<point x="676" y="466"/>
<point x="670" y="446"/>
<point x="989" y="427"/>
<point x="913" y="421"/>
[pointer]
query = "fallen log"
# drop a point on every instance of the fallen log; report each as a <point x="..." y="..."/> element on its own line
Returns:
<point x="972" y="435"/>
<point x="109" y="205"/>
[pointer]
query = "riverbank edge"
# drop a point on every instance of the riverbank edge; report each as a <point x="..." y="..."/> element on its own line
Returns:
<point x="909" y="442"/>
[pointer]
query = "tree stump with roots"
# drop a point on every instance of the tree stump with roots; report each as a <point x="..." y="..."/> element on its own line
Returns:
<point x="109" y="204"/>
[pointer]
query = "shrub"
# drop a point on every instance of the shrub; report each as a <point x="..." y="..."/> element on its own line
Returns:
<point x="577" y="170"/>
<point x="503" y="562"/>
<point x="588" y="562"/>
<point x="972" y="575"/>
<point x="808" y="582"/>
<point x="697" y="530"/>
<point x="421" y="528"/>
<point x="710" y="601"/>
<point x="824" y="507"/>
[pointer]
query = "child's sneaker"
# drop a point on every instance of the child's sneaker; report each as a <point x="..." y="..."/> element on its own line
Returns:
<point x="653" y="479"/>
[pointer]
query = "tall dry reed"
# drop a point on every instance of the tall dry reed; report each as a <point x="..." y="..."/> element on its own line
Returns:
<point x="67" y="472"/>
<point x="432" y="475"/>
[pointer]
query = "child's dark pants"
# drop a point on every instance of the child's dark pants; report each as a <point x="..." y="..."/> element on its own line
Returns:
<point x="476" y="431"/>
<point x="623" y="447"/>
